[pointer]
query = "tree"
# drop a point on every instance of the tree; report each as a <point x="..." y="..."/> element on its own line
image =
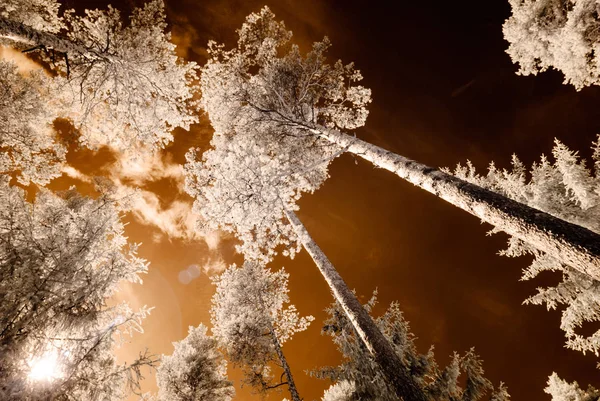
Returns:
<point x="266" y="89"/>
<point x="560" y="390"/>
<point x="61" y="258"/>
<point x="196" y="371"/>
<point x="27" y="111"/>
<point x="254" y="196"/>
<point x="39" y="14"/>
<point x="359" y="377"/>
<point x="567" y="189"/>
<point x="123" y="82"/>
<point x="251" y="320"/>
<point x="559" y="34"/>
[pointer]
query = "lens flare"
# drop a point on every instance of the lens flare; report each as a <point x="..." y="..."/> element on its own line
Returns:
<point x="45" y="368"/>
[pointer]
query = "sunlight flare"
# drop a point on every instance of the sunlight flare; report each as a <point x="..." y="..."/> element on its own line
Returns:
<point x="45" y="368"/>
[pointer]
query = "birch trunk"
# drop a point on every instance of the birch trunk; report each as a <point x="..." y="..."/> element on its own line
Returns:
<point x="286" y="368"/>
<point x="571" y="244"/>
<point x="397" y="374"/>
<point x="22" y="33"/>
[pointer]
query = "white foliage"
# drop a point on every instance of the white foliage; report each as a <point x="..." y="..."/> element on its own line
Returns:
<point x="568" y="190"/>
<point x="241" y="190"/>
<point x="258" y="95"/>
<point x="196" y="371"/>
<point x="27" y="143"/>
<point x="559" y="34"/>
<point x="265" y="80"/>
<point x="39" y="14"/>
<point x="359" y="378"/>
<point x="61" y="258"/>
<point x="560" y="390"/>
<point x="128" y="88"/>
<point x="252" y="318"/>
<point x="122" y="83"/>
<point x="340" y="391"/>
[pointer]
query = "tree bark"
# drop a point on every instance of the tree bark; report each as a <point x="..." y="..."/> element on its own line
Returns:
<point x="286" y="368"/>
<point x="397" y="374"/>
<point x="570" y="243"/>
<point x="25" y="34"/>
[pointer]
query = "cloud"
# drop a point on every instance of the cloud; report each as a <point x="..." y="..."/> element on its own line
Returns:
<point x="24" y="63"/>
<point x="76" y="174"/>
<point x="150" y="200"/>
<point x="212" y="239"/>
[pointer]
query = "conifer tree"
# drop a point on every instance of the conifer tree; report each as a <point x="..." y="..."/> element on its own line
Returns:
<point x="297" y="106"/>
<point x="61" y="259"/>
<point x="252" y="319"/>
<point x="123" y="84"/>
<point x="559" y="34"/>
<point x="196" y="371"/>
<point x="360" y="378"/>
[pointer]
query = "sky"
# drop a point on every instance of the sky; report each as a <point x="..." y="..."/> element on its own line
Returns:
<point x="444" y="91"/>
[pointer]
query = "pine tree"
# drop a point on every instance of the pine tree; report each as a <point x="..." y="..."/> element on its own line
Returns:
<point x="39" y="14"/>
<point x="61" y="259"/>
<point x="122" y="81"/>
<point x="563" y="187"/>
<point x="560" y="390"/>
<point x="296" y="107"/>
<point x="252" y="319"/>
<point x="255" y="196"/>
<point x="559" y="34"/>
<point x="27" y="110"/>
<point x="360" y="378"/>
<point x="567" y="189"/>
<point x="196" y="371"/>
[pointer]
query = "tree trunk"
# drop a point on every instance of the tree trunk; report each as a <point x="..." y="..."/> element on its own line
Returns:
<point x="286" y="368"/>
<point x="570" y="243"/>
<point x="22" y="33"/>
<point x="397" y="374"/>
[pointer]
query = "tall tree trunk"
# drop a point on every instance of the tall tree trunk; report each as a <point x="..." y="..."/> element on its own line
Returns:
<point x="286" y="368"/>
<point x="570" y="243"/>
<point x="391" y="366"/>
<point x="25" y="34"/>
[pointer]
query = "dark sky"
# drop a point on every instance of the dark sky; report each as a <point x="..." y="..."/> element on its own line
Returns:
<point x="444" y="91"/>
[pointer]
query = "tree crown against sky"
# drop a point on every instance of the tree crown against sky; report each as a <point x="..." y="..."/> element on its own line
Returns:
<point x="359" y="378"/>
<point x="27" y="138"/>
<point x="195" y="371"/>
<point x="39" y="14"/>
<point x="261" y="161"/>
<point x="252" y="318"/>
<point x="565" y="188"/>
<point x="61" y="258"/>
<point x="559" y="34"/>
<point x="122" y="82"/>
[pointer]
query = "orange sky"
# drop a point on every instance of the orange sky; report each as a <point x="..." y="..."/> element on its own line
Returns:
<point x="444" y="91"/>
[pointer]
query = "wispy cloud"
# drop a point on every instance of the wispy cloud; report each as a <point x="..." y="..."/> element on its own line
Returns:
<point x="151" y="202"/>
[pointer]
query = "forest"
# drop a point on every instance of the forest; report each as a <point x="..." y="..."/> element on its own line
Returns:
<point x="210" y="201"/>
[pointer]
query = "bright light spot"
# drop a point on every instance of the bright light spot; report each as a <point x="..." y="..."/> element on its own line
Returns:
<point x="45" y="368"/>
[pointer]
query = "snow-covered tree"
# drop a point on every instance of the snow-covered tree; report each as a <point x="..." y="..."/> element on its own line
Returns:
<point x="196" y="371"/>
<point x="39" y="14"/>
<point x="27" y="142"/>
<point x="567" y="189"/>
<point x="560" y="390"/>
<point x="360" y="378"/>
<point x="122" y="81"/>
<point x="254" y="196"/>
<point x="61" y="259"/>
<point x="252" y="319"/>
<point x="559" y="34"/>
<point x="296" y="106"/>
